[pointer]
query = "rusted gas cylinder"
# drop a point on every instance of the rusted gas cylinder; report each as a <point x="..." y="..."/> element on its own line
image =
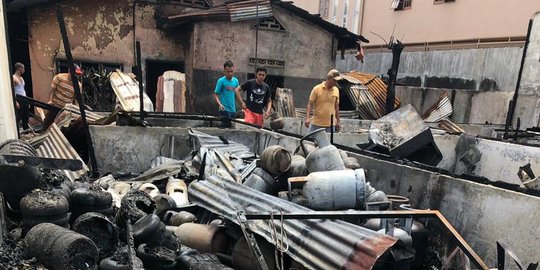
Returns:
<point x="275" y="160"/>
<point x="17" y="179"/>
<point x="42" y="206"/>
<point x="58" y="248"/>
<point x="326" y="157"/>
<point x="173" y="218"/>
<point x="260" y="180"/>
<point x="204" y="238"/>
<point x="100" y="230"/>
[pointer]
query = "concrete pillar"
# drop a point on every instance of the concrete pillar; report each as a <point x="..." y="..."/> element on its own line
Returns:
<point x="8" y="124"/>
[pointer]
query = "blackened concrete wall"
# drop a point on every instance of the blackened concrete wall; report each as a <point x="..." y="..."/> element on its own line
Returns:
<point x="98" y="31"/>
<point x="482" y="214"/>
<point x="470" y="69"/>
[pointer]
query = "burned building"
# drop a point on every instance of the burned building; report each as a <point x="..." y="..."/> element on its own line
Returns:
<point x="193" y="37"/>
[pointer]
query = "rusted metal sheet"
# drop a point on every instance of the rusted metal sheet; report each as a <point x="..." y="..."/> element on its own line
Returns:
<point x="127" y="92"/>
<point x="450" y="126"/>
<point x="239" y="11"/>
<point x="442" y="108"/>
<point x="221" y="144"/>
<point x="376" y="87"/>
<point x="53" y="144"/>
<point x="249" y="10"/>
<point x="365" y="103"/>
<point x="285" y="102"/>
<point x="315" y="243"/>
<point x="71" y="112"/>
<point x="301" y="113"/>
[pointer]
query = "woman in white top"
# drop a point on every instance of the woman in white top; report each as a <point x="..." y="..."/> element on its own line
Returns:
<point x="23" y="112"/>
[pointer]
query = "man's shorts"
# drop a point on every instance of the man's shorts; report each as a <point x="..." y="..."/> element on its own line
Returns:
<point x="253" y="118"/>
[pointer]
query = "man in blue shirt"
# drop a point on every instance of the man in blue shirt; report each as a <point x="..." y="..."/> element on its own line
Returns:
<point x="224" y="92"/>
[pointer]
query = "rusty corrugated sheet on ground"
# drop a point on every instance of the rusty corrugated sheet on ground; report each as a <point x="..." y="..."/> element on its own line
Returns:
<point x="239" y="11"/>
<point x="301" y="113"/>
<point x="317" y="244"/>
<point x="285" y="102"/>
<point x="447" y="125"/>
<point x="377" y="88"/>
<point x="441" y="109"/>
<point x="53" y="144"/>
<point x="219" y="143"/>
<point x="71" y="112"/>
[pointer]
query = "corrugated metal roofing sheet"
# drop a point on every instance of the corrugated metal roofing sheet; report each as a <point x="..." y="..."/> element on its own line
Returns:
<point x="446" y="124"/>
<point x="442" y="108"/>
<point x="372" y="104"/>
<point x="317" y="244"/>
<point x="216" y="143"/>
<point x="239" y="11"/>
<point x="285" y="102"/>
<point x="301" y="113"/>
<point x="246" y="10"/>
<point x="71" y="113"/>
<point x="53" y="144"/>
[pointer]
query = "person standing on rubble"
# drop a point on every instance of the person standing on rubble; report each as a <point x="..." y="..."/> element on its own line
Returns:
<point x="257" y="96"/>
<point x="23" y="110"/>
<point x="62" y="93"/>
<point x="324" y="99"/>
<point x="224" y="93"/>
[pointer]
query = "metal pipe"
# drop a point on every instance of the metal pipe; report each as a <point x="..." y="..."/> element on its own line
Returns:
<point x="257" y="38"/>
<point x="332" y="129"/>
<point x="139" y="78"/>
<point x="516" y="92"/>
<point x="76" y="88"/>
<point x="171" y="146"/>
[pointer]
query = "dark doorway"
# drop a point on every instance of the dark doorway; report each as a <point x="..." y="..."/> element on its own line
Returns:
<point x="154" y="69"/>
<point x="273" y="81"/>
<point x="18" y="45"/>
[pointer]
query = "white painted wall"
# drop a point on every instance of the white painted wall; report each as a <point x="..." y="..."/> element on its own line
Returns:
<point x="8" y="125"/>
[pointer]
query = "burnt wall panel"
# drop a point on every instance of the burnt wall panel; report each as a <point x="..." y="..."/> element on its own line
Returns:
<point x="450" y="83"/>
<point x="99" y="31"/>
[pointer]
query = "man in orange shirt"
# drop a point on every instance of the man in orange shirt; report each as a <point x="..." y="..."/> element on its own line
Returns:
<point x="62" y="93"/>
<point x="324" y="99"/>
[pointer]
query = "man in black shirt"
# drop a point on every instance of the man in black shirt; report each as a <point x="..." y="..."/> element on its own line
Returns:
<point x="257" y="96"/>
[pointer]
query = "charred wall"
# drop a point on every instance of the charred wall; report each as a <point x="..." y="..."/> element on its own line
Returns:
<point x="99" y="31"/>
<point x="488" y="69"/>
